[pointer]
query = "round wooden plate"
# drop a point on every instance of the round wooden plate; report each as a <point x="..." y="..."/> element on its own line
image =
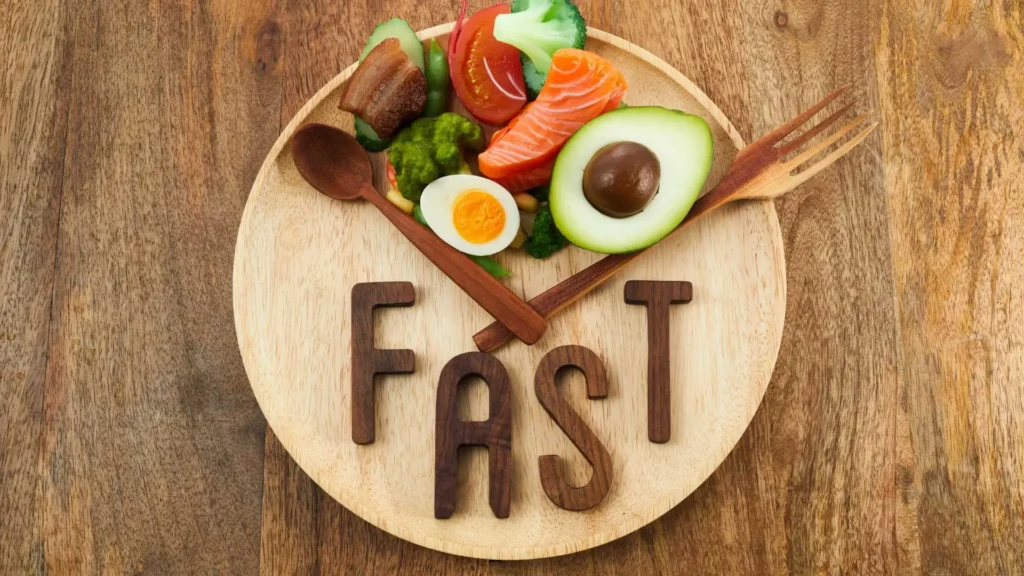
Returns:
<point x="299" y="254"/>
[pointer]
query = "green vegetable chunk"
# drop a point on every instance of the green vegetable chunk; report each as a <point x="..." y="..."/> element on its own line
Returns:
<point x="430" y="148"/>
<point x="539" y="28"/>
<point x="541" y="192"/>
<point x="368" y="139"/>
<point x="417" y="213"/>
<point x="400" y="29"/>
<point x="534" y="78"/>
<point x="546" y="239"/>
<point x="491" y="266"/>
<point x="439" y="81"/>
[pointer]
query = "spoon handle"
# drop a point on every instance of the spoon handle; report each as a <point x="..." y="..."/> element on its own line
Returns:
<point x="507" y="308"/>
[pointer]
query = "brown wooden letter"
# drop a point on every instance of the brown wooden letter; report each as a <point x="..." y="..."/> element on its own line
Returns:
<point x="552" y="471"/>
<point x="658" y="296"/>
<point x="495" y="433"/>
<point x="368" y="361"/>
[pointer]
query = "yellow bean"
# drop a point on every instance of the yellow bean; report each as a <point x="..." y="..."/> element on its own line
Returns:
<point x="396" y="198"/>
<point x="527" y="202"/>
<point x="519" y="240"/>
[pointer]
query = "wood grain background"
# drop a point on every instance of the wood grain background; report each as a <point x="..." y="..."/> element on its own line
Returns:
<point x="890" y="439"/>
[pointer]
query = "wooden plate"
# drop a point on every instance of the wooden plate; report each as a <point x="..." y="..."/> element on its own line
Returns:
<point x="299" y="254"/>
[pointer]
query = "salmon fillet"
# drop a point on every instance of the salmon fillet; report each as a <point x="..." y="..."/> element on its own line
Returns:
<point x="580" y="87"/>
<point x="529" y="179"/>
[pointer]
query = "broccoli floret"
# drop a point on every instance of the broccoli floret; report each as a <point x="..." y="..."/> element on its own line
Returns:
<point x="541" y="192"/>
<point x="430" y="148"/>
<point x="539" y="28"/>
<point x="533" y="78"/>
<point x="546" y="239"/>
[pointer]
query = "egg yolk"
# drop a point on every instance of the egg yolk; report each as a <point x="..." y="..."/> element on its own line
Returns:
<point x="478" y="217"/>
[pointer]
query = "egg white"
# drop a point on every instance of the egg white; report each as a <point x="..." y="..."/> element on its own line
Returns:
<point x="440" y="195"/>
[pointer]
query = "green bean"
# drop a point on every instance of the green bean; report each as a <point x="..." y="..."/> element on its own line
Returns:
<point x="438" y="81"/>
<point x="417" y="213"/>
<point x="491" y="266"/>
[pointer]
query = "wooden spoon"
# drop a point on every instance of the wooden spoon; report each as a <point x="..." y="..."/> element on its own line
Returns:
<point x="335" y="164"/>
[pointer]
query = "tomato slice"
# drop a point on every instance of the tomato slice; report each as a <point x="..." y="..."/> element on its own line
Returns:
<point x="453" y="38"/>
<point x="392" y="176"/>
<point x="487" y="74"/>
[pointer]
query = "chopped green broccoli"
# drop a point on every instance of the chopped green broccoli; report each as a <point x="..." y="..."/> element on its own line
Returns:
<point x="430" y="148"/>
<point x="541" y="193"/>
<point x="546" y="239"/>
<point x="539" y="28"/>
<point x="533" y="78"/>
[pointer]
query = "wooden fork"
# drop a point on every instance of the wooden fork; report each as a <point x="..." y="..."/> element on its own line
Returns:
<point x="758" y="172"/>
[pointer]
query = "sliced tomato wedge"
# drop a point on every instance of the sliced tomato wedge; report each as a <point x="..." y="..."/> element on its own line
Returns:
<point x="487" y="74"/>
<point x="453" y="38"/>
<point x="392" y="176"/>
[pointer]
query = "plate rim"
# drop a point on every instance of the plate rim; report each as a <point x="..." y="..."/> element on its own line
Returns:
<point x="593" y="540"/>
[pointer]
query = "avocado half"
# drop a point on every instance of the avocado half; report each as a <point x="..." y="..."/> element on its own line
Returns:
<point x="683" y="145"/>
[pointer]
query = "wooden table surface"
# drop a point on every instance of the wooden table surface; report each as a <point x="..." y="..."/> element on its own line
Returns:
<point x="891" y="439"/>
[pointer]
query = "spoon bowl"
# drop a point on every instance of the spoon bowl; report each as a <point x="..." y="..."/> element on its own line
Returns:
<point x="332" y="162"/>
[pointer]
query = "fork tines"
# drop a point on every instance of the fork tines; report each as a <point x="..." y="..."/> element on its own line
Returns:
<point x="775" y="137"/>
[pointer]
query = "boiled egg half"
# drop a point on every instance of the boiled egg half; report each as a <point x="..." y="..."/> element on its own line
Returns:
<point x="474" y="215"/>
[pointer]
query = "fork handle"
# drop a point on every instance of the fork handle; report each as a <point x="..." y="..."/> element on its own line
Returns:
<point x="558" y="297"/>
<point x="561" y="295"/>
<point x="756" y="173"/>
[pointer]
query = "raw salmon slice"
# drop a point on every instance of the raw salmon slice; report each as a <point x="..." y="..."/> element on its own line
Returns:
<point x="531" y="178"/>
<point x="580" y="87"/>
<point x="523" y="181"/>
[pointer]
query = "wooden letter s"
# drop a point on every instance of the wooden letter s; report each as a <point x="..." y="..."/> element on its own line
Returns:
<point x="552" y="471"/>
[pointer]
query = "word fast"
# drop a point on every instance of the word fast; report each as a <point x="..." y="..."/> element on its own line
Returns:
<point x="495" y="433"/>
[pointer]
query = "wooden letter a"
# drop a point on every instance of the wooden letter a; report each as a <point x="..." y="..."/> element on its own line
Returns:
<point x="495" y="433"/>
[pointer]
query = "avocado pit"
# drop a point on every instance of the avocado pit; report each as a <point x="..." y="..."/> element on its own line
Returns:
<point x="622" y="179"/>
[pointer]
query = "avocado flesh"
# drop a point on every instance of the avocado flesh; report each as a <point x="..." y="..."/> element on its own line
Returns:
<point x="684" y="147"/>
